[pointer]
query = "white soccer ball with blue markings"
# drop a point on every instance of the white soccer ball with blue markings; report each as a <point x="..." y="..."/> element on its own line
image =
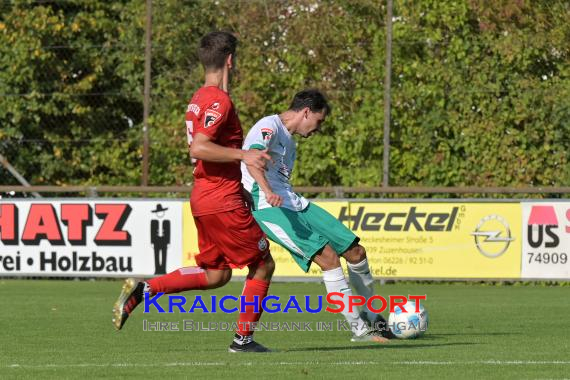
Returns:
<point x="408" y="325"/>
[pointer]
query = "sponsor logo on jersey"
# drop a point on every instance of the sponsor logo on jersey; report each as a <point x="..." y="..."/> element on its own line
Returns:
<point x="266" y="134"/>
<point x="210" y="117"/>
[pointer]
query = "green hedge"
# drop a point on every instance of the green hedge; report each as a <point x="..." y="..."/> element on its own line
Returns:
<point x="480" y="90"/>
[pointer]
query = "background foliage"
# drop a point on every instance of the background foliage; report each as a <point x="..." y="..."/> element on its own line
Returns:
<point x="480" y="89"/>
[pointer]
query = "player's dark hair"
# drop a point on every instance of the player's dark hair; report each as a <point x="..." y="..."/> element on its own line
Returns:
<point x="311" y="98"/>
<point x="215" y="48"/>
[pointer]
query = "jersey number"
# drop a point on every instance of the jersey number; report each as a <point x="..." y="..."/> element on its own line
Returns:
<point x="189" y="131"/>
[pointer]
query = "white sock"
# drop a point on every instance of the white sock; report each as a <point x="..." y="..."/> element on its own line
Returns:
<point x="336" y="282"/>
<point x="361" y="279"/>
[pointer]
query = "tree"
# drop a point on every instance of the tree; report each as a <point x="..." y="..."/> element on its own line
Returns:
<point x="479" y="98"/>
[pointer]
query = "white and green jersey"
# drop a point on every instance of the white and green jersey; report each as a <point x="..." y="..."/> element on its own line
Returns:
<point x="270" y="133"/>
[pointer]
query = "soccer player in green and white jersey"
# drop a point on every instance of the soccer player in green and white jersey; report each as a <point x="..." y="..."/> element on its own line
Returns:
<point x="307" y="231"/>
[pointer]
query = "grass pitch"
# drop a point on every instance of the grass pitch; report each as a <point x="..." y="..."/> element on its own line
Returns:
<point x="62" y="329"/>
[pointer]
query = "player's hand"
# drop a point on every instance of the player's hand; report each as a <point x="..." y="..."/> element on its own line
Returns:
<point x="256" y="158"/>
<point x="273" y="199"/>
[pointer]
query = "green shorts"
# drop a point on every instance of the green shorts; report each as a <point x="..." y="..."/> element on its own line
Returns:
<point x="304" y="233"/>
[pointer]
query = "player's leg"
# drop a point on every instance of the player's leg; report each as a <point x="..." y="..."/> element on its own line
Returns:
<point x="288" y="229"/>
<point x="182" y="279"/>
<point x="244" y="244"/>
<point x="256" y="285"/>
<point x="359" y="274"/>
<point x="212" y="272"/>
<point x="345" y="243"/>
<point x="363" y="282"/>
<point x="335" y="282"/>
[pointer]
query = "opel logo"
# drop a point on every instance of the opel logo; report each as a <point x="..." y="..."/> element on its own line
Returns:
<point x="492" y="236"/>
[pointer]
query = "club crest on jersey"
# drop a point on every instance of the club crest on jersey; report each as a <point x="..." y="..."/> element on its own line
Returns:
<point x="266" y="134"/>
<point x="262" y="244"/>
<point x="210" y="117"/>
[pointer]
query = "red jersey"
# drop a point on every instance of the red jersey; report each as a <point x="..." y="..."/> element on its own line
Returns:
<point x="217" y="185"/>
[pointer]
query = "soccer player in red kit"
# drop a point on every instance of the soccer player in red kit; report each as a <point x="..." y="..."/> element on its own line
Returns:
<point x="228" y="236"/>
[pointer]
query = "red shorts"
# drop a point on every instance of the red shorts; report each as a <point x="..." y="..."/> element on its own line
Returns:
<point x="229" y="239"/>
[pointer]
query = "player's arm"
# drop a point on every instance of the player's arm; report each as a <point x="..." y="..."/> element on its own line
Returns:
<point x="258" y="175"/>
<point x="203" y="148"/>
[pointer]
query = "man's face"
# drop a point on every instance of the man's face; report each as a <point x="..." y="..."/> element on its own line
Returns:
<point x="311" y="122"/>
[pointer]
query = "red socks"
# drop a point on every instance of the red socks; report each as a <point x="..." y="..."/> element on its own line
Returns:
<point x="188" y="278"/>
<point x="252" y="288"/>
<point x="194" y="278"/>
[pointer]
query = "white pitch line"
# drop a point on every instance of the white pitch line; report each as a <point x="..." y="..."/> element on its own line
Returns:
<point x="271" y="364"/>
<point x="484" y="362"/>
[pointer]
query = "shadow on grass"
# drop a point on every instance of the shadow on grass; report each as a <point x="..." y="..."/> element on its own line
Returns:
<point x="389" y="346"/>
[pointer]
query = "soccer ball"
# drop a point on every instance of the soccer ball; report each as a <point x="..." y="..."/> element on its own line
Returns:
<point x="408" y="325"/>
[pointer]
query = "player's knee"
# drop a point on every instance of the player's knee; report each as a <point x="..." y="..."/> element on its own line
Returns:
<point x="269" y="265"/>
<point x="327" y="259"/>
<point x="262" y="270"/>
<point x="226" y="277"/>
<point x="355" y="254"/>
<point x="218" y="278"/>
